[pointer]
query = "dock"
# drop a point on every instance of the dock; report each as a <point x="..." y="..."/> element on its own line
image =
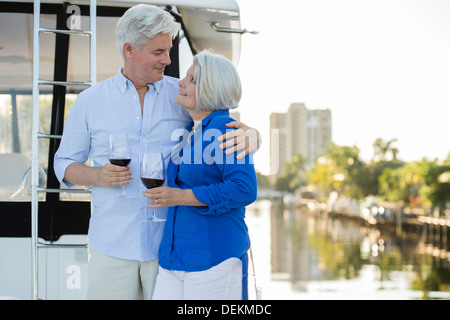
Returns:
<point x="433" y="231"/>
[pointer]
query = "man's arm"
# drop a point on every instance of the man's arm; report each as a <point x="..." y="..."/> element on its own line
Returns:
<point x="109" y="176"/>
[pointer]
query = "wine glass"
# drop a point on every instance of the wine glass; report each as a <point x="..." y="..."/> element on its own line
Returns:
<point x="153" y="174"/>
<point x="120" y="153"/>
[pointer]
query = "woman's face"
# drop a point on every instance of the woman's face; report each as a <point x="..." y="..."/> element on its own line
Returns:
<point x="186" y="98"/>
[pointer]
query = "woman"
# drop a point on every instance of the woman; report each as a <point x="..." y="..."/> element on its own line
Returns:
<point x="203" y="254"/>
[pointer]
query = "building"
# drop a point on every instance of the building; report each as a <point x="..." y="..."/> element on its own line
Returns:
<point x="235" y="115"/>
<point x="300" y="131"/>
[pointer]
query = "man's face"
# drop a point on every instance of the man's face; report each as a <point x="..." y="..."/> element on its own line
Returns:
<point x="147" y="64"/>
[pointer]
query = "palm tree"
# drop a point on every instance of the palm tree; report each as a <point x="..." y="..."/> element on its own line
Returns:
<point x="381" y="148"/>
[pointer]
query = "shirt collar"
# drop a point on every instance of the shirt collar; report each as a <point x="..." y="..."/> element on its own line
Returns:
<point x="157" y="85"/>
<point x="205" y="122"/>
<point x="123" y="83"/>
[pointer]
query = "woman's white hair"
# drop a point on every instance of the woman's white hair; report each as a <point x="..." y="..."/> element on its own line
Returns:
<point x="143" y="22"/>
<point x="218" y="86"/>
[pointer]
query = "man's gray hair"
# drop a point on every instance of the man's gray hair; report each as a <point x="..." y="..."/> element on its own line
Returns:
<point x="218" y="86"/>
<point x="143" y="22"/>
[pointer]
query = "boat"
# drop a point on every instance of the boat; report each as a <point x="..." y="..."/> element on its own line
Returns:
<point x="46" y="60"/>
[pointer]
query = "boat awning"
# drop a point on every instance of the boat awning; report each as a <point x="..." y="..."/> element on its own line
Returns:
<point x="204" y="21"/>
<point x="207" y="24"/>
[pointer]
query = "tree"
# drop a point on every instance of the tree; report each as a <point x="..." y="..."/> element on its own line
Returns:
<point x="340" y="170"/>
<point x="263" y="181"/>
<point x="294" y="175"/>
<point x="381" y="148"/>
<point x="322" y="176"/>
<point x="415" y="183"/>
<point x="438" y="183"/>
<point x="447" y="161"/>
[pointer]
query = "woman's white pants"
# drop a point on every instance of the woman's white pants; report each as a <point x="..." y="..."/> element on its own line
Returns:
<point x="221" y="282"/>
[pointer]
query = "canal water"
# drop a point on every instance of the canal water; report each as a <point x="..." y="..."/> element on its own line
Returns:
<point x="299" y="255"/>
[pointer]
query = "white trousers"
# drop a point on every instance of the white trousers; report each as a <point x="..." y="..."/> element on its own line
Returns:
<point x="221" y="282"/>
<point x="113" y="279"/>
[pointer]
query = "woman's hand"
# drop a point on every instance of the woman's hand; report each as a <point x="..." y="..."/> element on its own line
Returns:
<point x="169" y="197"/>
<point x="163" y="197"/>
<point x="244" y="138"/>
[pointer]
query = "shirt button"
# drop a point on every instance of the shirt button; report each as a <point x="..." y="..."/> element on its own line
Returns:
<point x="138" y="118"/>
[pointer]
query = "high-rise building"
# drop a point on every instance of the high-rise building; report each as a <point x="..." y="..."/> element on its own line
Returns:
<point x="278" y="142"/>
<point x="319" y="134"/>
<point x="235" y="115"/>
<point x="300" y="131"/>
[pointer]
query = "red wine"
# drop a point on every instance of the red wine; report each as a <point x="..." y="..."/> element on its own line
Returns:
<point x="152" y="183"/>
<point x="120" y="162"/>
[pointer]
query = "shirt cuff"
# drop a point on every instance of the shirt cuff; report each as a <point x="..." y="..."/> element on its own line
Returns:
<point x="214" y="207"/>
<point x="60" y="172"/>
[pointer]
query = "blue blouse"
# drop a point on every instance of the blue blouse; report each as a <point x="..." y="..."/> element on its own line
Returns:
<point x="198" y="238"/>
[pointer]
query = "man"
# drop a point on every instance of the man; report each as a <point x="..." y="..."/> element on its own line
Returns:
<point x="139" y="100"/>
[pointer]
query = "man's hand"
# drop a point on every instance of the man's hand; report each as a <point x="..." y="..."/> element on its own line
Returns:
<point x="114" y="176"/>
<point x="109" y="176"/>
<point x="244" y="138"/>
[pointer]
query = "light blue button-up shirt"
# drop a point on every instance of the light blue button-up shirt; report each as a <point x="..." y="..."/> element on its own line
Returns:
<point x="122" y="227"/>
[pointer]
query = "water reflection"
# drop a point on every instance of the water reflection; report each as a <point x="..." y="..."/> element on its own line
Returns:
<point x="301" y="255"/>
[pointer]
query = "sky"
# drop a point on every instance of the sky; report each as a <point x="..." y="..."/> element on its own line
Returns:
<point x="381" y="66"/>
